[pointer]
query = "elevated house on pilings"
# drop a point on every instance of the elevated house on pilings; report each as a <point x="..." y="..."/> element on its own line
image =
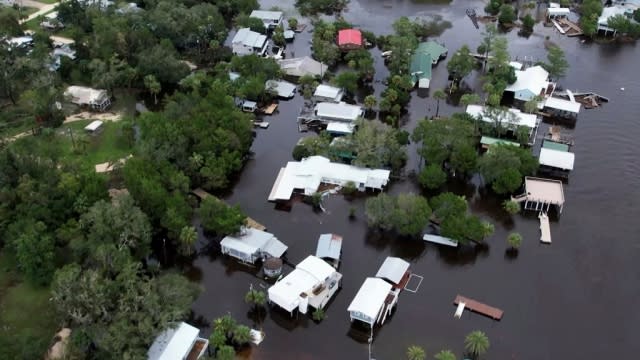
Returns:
<point x="541" y="194"/>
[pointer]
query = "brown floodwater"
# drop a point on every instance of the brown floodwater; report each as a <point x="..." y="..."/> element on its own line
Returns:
<point x="574" y="299"/>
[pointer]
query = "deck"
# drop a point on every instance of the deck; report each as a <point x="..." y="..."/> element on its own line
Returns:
<point x="545" y="231"/>
<point x="479" y="307"/>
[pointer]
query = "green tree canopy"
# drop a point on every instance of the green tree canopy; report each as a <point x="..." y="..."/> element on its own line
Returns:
<point x="461" y="63"/>
<point x="557" y="65"/>
<point x="504" y="166"/>
<point x="432" y="176"/>
<point x="218" y="217"/>
<point x="407" y="214"/>
<point x="476" y="342"/>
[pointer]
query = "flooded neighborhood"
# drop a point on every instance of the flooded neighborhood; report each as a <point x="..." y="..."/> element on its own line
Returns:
<point x="316" y="241"/>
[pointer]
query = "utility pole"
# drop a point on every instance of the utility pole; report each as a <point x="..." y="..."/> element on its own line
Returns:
<point x="73" y="142"/>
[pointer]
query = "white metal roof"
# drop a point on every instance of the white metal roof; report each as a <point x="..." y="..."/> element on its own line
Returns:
<point x="439" y="240"/>
<point x="253" y="240"/>
<point x="284" y="89"/>
<point x="340" y="128"/>
<point x="20" y="40"/>
<point x="393" y="269"/>
<point x="309" y="173"/>
<point x="340" y="111"/>
<point x="557" y="159"/>
<point x="516" y="65"/>
<point x="609" y="12"/>
<point x="307" y="274"/>
<point x="533" y="79"/>
<point x="544" y="190"/>
<point x="266" y="15"/>
<point x="302" y="66"/>
<point x="518" y="119"/>
<point x="249" y="38"/>
<point x="82" y="95"/>
<point x="371" y="297"/>
<point x="94" y="125"/>
<point x="562" y="104"/>
<point x="329" y="92"/>
<point x="558" y="11"/>
<point x="329" y="246"/>
<point x="173" y="343"/>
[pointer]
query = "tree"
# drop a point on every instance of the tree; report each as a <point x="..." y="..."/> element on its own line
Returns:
<point x="35" y="253"/>
<point x="377" y="210"/>
<point x="493" y="7"/>
<point x="370" y="102"/>
<point x="489" y="35"/>
<point x="514" y="240"/>
<point x="468" y="99"/>
<point x="278" y="36"/>
<point x="461" y="64"/>
<point x="226" y="352"/>
<point x="318" y="314"/>
<point x="415" y="352"/>
<point x="432" y="177"/>
<point x="511" y="207"/>
<point x="257" y="298"/>
<point x="348" y="81"/>
<point x="439" y="95"/>
<point x="527" y="24"/>
<point x="557" y="63"/>
<point x="376" y="145"/>
<point x="438" y="138"/>
<point x="293" y="23"/>
<point x="188" y="237"/>
<point x="464" y="158"/>
<point x="255" y="24"/>
<point x="476" y="342"/>
<point x="241" y="334"/>
<point x="220" y="218"/>
<point x="445" y="355"/>
<point x="507" y="15"/>
<point x="9" y="22"/>
<point x="407" y="214"/>
<point x="217" y="339"/>
<point x="504" y="166"/>
<point x="448" y="205"/>
<point x="590" y="10"/>
<point x="153" y="86"/>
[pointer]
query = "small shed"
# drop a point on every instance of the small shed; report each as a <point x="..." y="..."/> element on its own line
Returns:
<point x="562" y="108"/>
<point x="249" y="106"/>
<point x="339" y="128"/>
<point x="270" y="19"/>
<point x="94" y="127"/>
<point x="562" y="160"/>
<point x="349" y="39"/>
<point x="284" y="89"/>
<point x="369" y="304"/>
<point x="558" y="12"/>
<point x="178" y="342"/>
<point x="487" y="141"/>
<point x="330" y="248"/>
<point x="326" y="93"/>
<point x="394" y="270"/>
<point x="251" y="245"/>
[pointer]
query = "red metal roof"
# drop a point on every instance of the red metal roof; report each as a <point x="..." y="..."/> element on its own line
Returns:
<point x="349" y="37"/>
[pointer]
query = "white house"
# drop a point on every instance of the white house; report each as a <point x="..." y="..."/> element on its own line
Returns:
<point x="326" y="93"/>
<point x="561" y="108"/>
<point x="180" y="342"/>
<point x="96" y="99"/>
<point x="312" y="283"/>
<point x="252" y="244"/>
<point x="510" y="119"/>
<point x="530" y="82"/>
<point x="247" y="42"/>
<point x="306" y="176"/>
<point x="373" y="302"/>
<point x="609" y="12"/>
<point x="298" y="67"/>
<point x="328" y="111"/>
<point x="270" y="19"/>
<point x="283" y="89"/>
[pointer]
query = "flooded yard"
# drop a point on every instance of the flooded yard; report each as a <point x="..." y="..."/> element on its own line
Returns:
<point x="574" y="299"/>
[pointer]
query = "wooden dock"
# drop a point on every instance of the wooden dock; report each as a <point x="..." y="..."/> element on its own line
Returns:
<point x="545" y="230"/>
<point x="202" y="194"/>
<point x="479" y="307"/>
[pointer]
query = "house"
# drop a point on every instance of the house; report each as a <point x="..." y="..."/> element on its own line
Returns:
<point x="100" y="4"/>
<point x="283" y="89"/>
<point x="436" y="51"/>
<point x="94" y="127"/>
<point x="252" y="245"/>
<point x="420" y="69"/>
<point x="620" y="8"/>
<point x="305" y="177"/>
<point x="339" y="128"/>
<point x="7" y="2"/>
<point x="329" y="249"/>
<point x="540" y="193"/>
<point x="510" y="119"/>
<point x="270" y="19"/>
<point x="373" y="302"/>
<point x="298" y="67"/>
<point x="20" y="42"/>
<point x="561" y="108"/>
<point x="326" y="93"/>
<point x="555" y="11"/>
<point x="180" y="342"/>
<point x="350" y="39"/>
<point x="96" y="99"/>
<point x="312" y="283"/>
<point x="59" y="52"/>
<point x="51" y="21"/>
<point x="555" y="158"/>
<point x="530" y="82"/>
<point x="247" y="42"/>
<point x="327" y="111"/>
<point x="395" y="271"/>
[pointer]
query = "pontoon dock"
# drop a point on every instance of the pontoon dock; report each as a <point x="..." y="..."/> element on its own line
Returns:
<point x="478" y="307"/>
<point x="545" y="231"/>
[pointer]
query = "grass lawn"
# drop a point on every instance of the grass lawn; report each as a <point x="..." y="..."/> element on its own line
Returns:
<point x="27" y="320"/>
<point x="48" y="1"/>
<point x="94" y="149"/>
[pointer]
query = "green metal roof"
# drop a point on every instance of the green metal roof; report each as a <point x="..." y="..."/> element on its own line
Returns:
<point x="486" y="140"/>
<point x="420" y="67"/>
<point x="547" y="144"/>
<point x="432" y="48"/>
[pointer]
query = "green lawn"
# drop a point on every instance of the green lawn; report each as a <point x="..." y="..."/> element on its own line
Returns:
<point x="48" y="1"/>
<point x="94" y="149"/>
<point x="27" y="320"/>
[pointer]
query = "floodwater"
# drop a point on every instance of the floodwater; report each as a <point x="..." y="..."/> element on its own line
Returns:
<point x="574" y="299"/>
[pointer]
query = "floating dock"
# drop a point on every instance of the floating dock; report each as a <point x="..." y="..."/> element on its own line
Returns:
<point x="476" y="306"/>
<point x="545" y="231"/>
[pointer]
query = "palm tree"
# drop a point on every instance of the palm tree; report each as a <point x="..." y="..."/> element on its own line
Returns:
<point x="241" y="334"/>
<point x="445" y="355"/>
<point x="225" y="324"/>
<point x="415" y="352"/>
<point x="153" y="85"/>
<point x="511" y="207"/>
<point x="477" y="343"/>
<point x="514" y="240"/>
<point x="226" y="352"/>
<point x="255" y="297"/>
<point x="217" y="339"/>
<point x="439" y="95"/>
<point x="370" y="102"/>
<point x="188" y="237"/>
